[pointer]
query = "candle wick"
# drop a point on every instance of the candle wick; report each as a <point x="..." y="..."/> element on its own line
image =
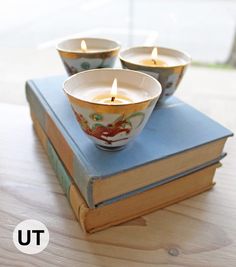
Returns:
<point x="154" y="61"/>
<point x="112" y="99"/>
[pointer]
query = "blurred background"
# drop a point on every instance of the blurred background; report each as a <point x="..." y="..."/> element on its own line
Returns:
<point x="206" y="29"/>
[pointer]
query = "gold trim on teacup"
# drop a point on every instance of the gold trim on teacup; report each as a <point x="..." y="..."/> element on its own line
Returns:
<point x="100" y="54"/>
<point x="132" y="66"/>
<point x="112" y="109"/>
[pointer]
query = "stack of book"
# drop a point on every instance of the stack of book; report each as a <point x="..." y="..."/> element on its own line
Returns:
<point x="174" y="158"/>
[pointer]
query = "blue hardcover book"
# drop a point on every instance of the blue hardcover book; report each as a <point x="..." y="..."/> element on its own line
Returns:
<point x="177" y="140"/>
<point x="92" y="220"/>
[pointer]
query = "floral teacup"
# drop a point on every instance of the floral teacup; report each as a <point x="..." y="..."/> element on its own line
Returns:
<point x="112" y="125"/>
<point x="82" y="54"/>
<point x="168" y="75"/>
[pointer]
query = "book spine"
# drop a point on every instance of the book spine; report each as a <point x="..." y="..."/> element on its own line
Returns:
<point x="76" y="201"/>
<point x="76" y="166"/>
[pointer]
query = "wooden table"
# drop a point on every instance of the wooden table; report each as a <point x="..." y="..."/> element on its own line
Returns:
<point x="200" y="231"/>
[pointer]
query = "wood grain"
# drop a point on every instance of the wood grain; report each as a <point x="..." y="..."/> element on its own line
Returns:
<point x="197" y="232"/>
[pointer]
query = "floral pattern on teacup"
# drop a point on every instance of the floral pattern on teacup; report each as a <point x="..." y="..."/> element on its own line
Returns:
<point x="73" y="66"/>
<point x="116" y="131"/>
<point x="171" y="84"/>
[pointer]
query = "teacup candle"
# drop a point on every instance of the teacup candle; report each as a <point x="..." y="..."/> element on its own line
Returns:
<point x="87" y="53"/>
<point x="112" y="105"/>
<point x="165" y="64"/>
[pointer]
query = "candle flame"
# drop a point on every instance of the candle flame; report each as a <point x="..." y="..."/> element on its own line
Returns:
<point x="83" y="46"/>
<point x="154" y="55"/>
<point x="114" y="90"/>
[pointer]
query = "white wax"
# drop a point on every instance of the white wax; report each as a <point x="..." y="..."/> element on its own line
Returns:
<point x="169" y="60"/>
<point x="92" y="91"/>
<point x="90" y="50"/>
<point x="106" y="99"/>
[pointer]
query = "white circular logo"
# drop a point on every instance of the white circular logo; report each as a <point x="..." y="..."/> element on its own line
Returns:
<point x="31" y="236"/>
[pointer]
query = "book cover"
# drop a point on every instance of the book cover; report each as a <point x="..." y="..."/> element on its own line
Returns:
<point x="92" y="220"/>
<point x="176" y="139"/>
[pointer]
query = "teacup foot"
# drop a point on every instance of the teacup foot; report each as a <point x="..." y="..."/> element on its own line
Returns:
<point x="111" y="148"/>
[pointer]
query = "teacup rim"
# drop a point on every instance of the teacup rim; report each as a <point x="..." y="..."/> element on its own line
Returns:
<point x="157" y="95"/>
<point x="156" y="67"/>
<point x="118" y="45"/>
